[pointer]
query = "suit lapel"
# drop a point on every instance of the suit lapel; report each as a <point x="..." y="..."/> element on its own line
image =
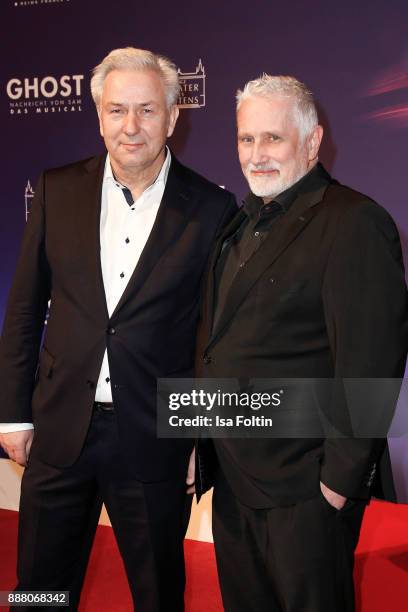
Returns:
<point x="291" y="225"/>
<point x="88" y="226"/>
<point x="169" y="224"/>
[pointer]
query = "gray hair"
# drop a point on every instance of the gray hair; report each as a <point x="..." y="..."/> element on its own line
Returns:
<point x="130" y="58"/>
<point x="304" y="107"/>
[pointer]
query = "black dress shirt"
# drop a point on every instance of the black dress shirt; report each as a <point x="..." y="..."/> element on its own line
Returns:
<point x="255" y="227"/>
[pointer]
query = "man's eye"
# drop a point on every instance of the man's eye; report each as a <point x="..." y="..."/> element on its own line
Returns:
<point x="245" y="139"/>
<point x="115" y="111"/>
<point x="274" y="137"/>
<point x="147" y="111"/>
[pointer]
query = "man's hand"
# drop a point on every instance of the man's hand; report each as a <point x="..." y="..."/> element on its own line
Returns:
<point x="334" y="499"/>
<point x="17" y="445"/>
<point x="190" y="480"/>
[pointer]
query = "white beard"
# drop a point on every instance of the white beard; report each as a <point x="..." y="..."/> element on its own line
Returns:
<point x="271" y="186"/>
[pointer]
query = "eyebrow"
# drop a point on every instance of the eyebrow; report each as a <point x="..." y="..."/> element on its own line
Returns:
<point x="262" y="134"/>
<point x="113" y="103"/>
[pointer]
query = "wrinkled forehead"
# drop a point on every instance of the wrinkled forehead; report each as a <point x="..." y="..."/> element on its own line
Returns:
<point x="268" y="111"/>
<point x="135" y="84"/>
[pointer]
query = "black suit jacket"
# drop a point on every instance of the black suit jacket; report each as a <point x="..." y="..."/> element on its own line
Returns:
<point x="151" y="333"/>
<point x="323" y="297"/>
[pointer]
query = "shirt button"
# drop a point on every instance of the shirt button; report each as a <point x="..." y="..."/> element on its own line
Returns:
<point x="242" y="264"/>
<point x="207" y="359"/>
<point x="256" y="233"/>
<point x="127" y="240"/>
<point x="111" y="331"/>
<point x="122" y="275"/>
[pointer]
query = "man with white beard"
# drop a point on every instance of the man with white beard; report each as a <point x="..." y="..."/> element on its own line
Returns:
<point x="307" y="282"/>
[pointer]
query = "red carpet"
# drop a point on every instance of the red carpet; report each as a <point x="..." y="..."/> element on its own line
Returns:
<point x="381" y="566"/>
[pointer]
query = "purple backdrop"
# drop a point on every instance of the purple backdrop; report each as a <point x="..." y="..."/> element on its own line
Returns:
<point x="355" y="59"/>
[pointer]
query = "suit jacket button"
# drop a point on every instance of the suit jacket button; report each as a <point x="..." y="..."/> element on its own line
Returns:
<point x="111" y="331"/>
<point x="207" y="359"/>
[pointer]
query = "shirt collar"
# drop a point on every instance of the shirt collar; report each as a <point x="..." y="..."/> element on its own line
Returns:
<point x="160" y="179"/>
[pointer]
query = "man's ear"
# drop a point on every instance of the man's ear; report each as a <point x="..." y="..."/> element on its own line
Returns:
<point x="98" y="110"/>
<point x="314" y="141"/>
<point x="173" y="116"/>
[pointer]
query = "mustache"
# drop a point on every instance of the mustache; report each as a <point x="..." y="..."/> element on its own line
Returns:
<point x="265" y="167"/>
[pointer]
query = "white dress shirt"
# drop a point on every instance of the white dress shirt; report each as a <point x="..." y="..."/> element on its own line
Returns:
<point x="124" y="231"/>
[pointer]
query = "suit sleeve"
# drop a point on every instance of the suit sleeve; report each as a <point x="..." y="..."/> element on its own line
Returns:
<point x="24" y="320"/>
<point x="365" y="302"/>
<point x="229" y="212"/>
<point x="205" y="459"/>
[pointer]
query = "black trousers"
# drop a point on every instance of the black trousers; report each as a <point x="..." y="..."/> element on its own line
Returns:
<point x="59" y="511"/>
<point x="288" y="559"/>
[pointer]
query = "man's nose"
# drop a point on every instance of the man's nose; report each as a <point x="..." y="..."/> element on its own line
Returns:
<point x="132" y="125"/>
<point x="259" y="153"/>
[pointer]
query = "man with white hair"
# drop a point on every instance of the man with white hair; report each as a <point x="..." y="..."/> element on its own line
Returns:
<point x="306" y="282"/>
<point x="119" y="244"/>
